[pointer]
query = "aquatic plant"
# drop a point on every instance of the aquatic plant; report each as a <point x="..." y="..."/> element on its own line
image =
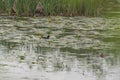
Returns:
<point x="2" y="6"/>
<point x="54" y="7"/>
<point x="26" y="7"/>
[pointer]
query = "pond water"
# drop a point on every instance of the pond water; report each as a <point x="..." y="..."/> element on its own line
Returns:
<point x="78" y="48"/>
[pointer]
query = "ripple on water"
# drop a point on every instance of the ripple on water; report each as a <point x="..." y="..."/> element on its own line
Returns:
<point x="72" y="51"/>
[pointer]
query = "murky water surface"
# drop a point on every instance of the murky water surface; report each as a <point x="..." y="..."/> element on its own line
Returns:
<point x="78" y="48"/>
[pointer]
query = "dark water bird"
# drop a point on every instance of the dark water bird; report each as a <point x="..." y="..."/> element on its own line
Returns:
<point x="102" y="55"/>
<point x="46" y="37"/>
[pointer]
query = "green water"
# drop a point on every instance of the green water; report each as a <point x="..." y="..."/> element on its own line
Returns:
<point x="71" y="53"/>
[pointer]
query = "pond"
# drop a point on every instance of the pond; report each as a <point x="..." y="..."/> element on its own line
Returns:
<point x="79" y="48"/>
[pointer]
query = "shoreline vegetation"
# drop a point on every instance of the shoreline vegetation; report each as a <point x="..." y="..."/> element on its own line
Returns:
<point x="53" y="7"/>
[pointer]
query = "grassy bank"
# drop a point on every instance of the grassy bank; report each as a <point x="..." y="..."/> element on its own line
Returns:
<point x="52" y="7"/>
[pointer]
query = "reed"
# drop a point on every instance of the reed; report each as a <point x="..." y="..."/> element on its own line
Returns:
<point x="55" y="7"/>
<point x="26" y="7"/>
<point x="9" y="5"/>
<point x="2" y="6"/>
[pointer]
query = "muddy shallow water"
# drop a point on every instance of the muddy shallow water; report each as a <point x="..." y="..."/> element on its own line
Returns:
<point x="79" y="48"/>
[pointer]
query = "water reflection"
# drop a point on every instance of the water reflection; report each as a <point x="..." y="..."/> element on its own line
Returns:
<point x="74" y="51"/>
<point x="32" y="58"/>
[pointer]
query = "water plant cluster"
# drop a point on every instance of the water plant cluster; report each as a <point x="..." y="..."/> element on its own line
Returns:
<point x="52" y="7"/>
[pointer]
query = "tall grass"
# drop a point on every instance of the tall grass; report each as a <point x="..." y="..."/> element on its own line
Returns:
<point x="2" y="6"/>
<point x="54" y="7"/>
<point x="26" y="7"/>
<point x="6" y="6"/>
<point x="73" y="7"/>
